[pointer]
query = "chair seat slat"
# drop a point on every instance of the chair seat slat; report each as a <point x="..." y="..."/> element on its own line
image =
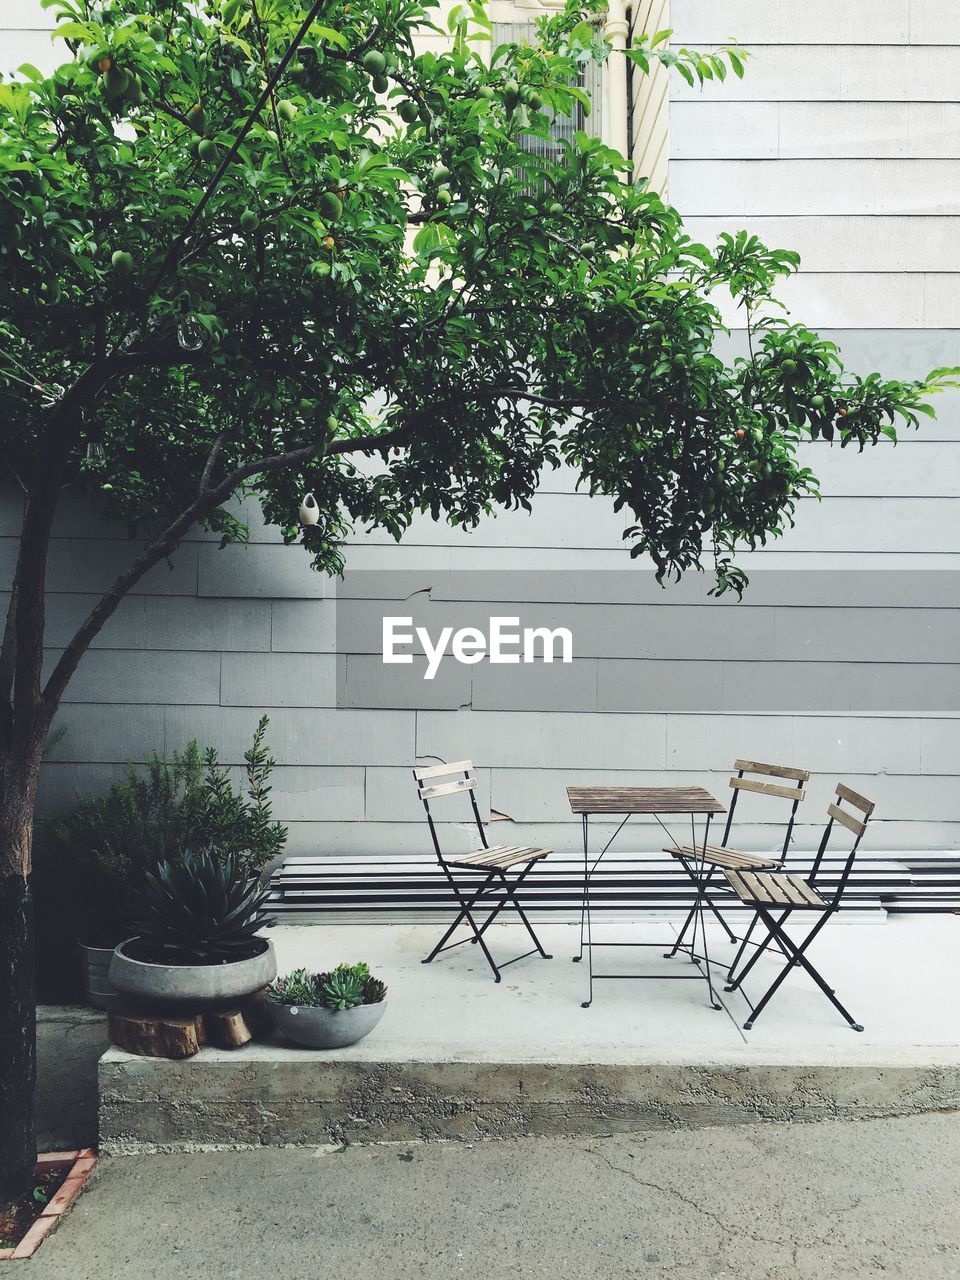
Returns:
<point x="729" y="858"/>
<point x="774" y="889"/>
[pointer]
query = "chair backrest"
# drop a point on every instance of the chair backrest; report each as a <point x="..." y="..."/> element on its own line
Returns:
<point x="763" y="786"/>
<point x="437" y="780"/>
<point x="854" y="819"/>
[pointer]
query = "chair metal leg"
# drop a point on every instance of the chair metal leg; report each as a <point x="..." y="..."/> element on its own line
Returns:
<point x="466" y="913"/>
<point x="796" y="959"/>
<point x="510" y="892"/>
<point x="743" y="946"/>
<point x="734" y="982"/>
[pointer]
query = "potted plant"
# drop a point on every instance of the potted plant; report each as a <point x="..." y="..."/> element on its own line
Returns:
<point x="94" y="858"/>
<point x="197" y="940"/>
<point x="327" y="1010"/>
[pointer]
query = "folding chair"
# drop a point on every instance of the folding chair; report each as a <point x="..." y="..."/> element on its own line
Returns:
<point x="492" y="863"/>
<point x="769" y="892"/>
<point x="714" y="857"/>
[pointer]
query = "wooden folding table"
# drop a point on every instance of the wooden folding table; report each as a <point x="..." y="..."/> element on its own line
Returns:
<point x="659" y="802"/>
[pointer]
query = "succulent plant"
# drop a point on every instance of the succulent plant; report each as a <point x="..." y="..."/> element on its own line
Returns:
<point x="202" y="906"/>
<point x="297" y="988"/>
<point x="374" y="991"/>
<point x="342" y="988"/>
<point x="345" y="987"/>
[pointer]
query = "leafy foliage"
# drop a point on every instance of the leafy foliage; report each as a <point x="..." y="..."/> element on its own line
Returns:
<point x="202" y="908"/>
<point x="345" y="987"/>
<point x="155" y="813"/>
<point x="257" y="287"/>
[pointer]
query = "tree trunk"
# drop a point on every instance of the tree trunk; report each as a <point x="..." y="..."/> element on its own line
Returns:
<point x="18" y="1055"/>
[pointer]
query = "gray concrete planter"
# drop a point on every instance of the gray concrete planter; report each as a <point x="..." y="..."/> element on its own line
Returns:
<point x="94" y="969"/>
<point x="325" y="1028"/>
<point x="193" y="985"/>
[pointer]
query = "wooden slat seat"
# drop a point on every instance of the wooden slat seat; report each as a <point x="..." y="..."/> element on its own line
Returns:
<point x="499" y="858"/>
<point x="730" y="859"/>
<point x="775" y="889"/>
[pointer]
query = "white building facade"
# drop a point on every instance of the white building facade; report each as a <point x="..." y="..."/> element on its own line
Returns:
<point x="843" y="142"/>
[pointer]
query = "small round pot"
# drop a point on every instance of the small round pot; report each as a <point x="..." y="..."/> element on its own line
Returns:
<point x="196" y="985"/>
<point x="94" y="967"/>
<point x="325" y="1028"/>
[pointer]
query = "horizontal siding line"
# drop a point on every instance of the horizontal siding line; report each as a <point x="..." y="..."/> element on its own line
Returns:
<point x="936" y="717"/>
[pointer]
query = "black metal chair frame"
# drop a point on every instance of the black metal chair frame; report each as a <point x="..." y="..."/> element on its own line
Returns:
<point x="694" y="865"/>
<point x="794" y="952"/>
<point x="495" y="884"/>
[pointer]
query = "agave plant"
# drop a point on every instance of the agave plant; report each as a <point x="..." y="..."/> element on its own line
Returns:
<point x="203" y="906"/>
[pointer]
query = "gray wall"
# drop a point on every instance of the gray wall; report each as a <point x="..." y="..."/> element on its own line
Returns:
<point x="847" y="149"/>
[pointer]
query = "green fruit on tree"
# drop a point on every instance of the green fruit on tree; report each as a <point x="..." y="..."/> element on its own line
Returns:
<point x="286" y="110"/>
<point x="408" y="111"/>
<point x="208" y="150"/>
<point x="249" y="220"/>
<point x="721" y="465"/>
<point x="122" y="262"/>
<point x="297" y="72"/>
<point x="379" y="84"/>
<point x="444" y="197"/>
<point x="789" y="366"/>
<point x="198" y="118"/>
<point x="487" y="92"/>
<point x="587" y="247"/>
<point x="555" y="209"/>
<point x="817" y="402"/>
<point x="511" y="94"/>
<point x="439" y="173"/>
<point x="534" y="101"/>
<point x="658" y="327"/>
<point x="333" y="424"/>
<point x="116" y="82"/>
<point x="374" y="63"/>
<point x="156" y="31"/>
<point x="330" y="206"/>
<point x="134" y="94"/>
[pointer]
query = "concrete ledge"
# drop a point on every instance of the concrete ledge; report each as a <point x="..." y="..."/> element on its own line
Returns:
<point x="270" y="1095"/>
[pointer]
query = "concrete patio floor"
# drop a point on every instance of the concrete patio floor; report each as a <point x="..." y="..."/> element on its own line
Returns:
<point x="897" y="975"/>
<point x="459" y="1056"/>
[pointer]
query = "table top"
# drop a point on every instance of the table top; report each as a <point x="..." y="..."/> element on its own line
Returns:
<point x="642" y="800"/>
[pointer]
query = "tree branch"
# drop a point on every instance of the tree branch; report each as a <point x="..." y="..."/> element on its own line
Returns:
<point x="209" y="499"/>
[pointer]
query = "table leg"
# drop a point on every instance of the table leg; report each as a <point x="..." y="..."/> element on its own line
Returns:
<point x="585" y="1004"/>
<point x="583" y="901"/>
<point x="701" y="898"/>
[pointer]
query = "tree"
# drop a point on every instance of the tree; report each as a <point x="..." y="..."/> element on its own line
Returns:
<point x="247" y="244"/>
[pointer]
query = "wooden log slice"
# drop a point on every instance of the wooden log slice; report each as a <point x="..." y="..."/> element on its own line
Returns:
<point x="153" y="1035"/>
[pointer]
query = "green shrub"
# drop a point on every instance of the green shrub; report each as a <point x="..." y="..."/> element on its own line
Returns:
<point x="108" y="843"/>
